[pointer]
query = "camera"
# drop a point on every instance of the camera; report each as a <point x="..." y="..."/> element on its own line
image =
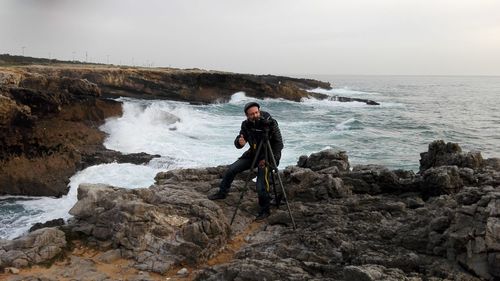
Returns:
<point x="263" y="122"/>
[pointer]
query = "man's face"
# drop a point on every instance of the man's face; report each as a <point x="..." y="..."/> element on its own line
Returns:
<point x="253" y="113"/>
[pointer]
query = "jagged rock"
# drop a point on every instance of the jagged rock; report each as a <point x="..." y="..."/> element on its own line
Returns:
<point x="385" y="233"/>
<point x="376" y="179"/>
<point x="307" y="185"/>
<point x="442" y="180"/>
<point x="48" y="124"/>
<point x="325" y="159"/>
<point x="12" y="112"/>
<point x="347" y="99"/>
<point x="449" y="154"/>
<point x="254" y="269"/>
<point x="51" y="223"/>
<point x="36" y="247"/>
<point x="372" y="273"/>
<point x="493" y="163"/>
<point x="157" y="227"/>
<point x="110" y="156"/>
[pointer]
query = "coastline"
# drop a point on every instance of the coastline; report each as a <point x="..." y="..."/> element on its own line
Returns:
<point x="362" y="222"/>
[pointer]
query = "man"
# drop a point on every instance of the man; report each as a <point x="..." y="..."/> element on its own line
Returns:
<point x="252" y="132"/>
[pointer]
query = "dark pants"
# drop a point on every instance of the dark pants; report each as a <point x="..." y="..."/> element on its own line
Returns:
<point x="262" y="185"/>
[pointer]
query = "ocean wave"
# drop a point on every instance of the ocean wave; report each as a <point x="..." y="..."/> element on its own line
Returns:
<point x="347" y="124"/>
<point x="346" y="91"/>
<point x="29" y="211"/>
<point x="330" y="103"/>
<point x="239" y="98"/>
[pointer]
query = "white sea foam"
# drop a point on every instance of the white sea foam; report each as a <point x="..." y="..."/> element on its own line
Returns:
<point x="41" y="209"/>
<point x="346" y="91"/>
<point x="330" y="103"/>
<point x="345" y="125"/>
<point x="239" y="98"/>
<point x="197" y="139"/>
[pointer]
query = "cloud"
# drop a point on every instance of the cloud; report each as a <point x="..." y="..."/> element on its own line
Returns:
<point x="294" y="36"/>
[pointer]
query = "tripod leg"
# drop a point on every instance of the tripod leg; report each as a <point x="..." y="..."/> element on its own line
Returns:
<point x="277" y="198"/>
<point x="242" y="194"/>
<point x="281" y="184"/>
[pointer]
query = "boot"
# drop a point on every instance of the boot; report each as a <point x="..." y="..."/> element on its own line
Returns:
<point x="217" y="196"/>
<point x="264" y="202"/>
<point x="263" y="214"/>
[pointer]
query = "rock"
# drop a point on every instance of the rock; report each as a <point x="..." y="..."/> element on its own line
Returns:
<point x="494" y="264"/>
<point x="442" y="180"/>
<point x="11" y="270"/>
<point x="47" y="125"/>
<point x="376" y="179"/>
<point x="449" y="154"/>
<point x="13" y="113"/>
<point x="372" y="273"/>
<point x="51" y="223"/>
<point x="110" y="256"/>
<point x="110" y="156"/>
<point x="37" y="247"/>
<point x="143" y="276"/>
<point x="325" y="159"/>
<point x="254" y="269"/>
<point x="157" y="227"/>
<point x="347" y="99"/>
<point x="79" y="268"/>
<point x="307" y="185"/>
<point x="384" y="232"/>
<point x="493" y="163"/>
<point x="492" y="237"/>
<point x="183" y="271"/>
<point x="440" y="224"/>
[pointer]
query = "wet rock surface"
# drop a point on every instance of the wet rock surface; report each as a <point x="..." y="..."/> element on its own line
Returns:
<point x="40" y="246"/>
<point x="368" y="223"/>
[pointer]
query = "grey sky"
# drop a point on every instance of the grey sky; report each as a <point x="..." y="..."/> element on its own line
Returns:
<point x="429" y="37"/>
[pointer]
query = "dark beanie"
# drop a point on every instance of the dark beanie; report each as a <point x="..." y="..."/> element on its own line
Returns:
<point x="250" y="104"/>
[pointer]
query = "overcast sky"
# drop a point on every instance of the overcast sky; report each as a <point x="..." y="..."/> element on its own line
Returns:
<point x="405" y="37"/>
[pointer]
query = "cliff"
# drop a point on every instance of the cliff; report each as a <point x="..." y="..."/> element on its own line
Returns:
<point x="50" y="113"/>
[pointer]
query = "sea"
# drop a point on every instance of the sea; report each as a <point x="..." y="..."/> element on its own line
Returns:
<point x="413" y="111"/>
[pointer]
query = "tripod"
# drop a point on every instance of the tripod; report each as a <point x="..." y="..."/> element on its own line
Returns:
<point x="267" y="152"/>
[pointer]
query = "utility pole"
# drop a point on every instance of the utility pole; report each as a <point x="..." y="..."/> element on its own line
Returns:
<point x="73" y="56"/>
<point x="86" y="57"/>
<point x="23" y="47"/>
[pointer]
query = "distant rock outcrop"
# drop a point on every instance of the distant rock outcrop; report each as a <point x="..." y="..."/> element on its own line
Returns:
<point x="49" y="115"/>
<point x="190" y="85"/>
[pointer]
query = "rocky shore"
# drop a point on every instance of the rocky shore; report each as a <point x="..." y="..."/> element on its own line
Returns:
<point x="50" y="113"/>
<point x="353" y="223"/>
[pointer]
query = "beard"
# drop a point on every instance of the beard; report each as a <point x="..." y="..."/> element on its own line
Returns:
<point x="255" y="119"/>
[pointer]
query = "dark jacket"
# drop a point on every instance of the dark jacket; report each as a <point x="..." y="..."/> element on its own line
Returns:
<point x="253" y="133"/>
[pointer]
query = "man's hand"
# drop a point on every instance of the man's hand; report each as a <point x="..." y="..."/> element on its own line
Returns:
<point x="262" y="163"/>
<point x="242" y="141"/>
